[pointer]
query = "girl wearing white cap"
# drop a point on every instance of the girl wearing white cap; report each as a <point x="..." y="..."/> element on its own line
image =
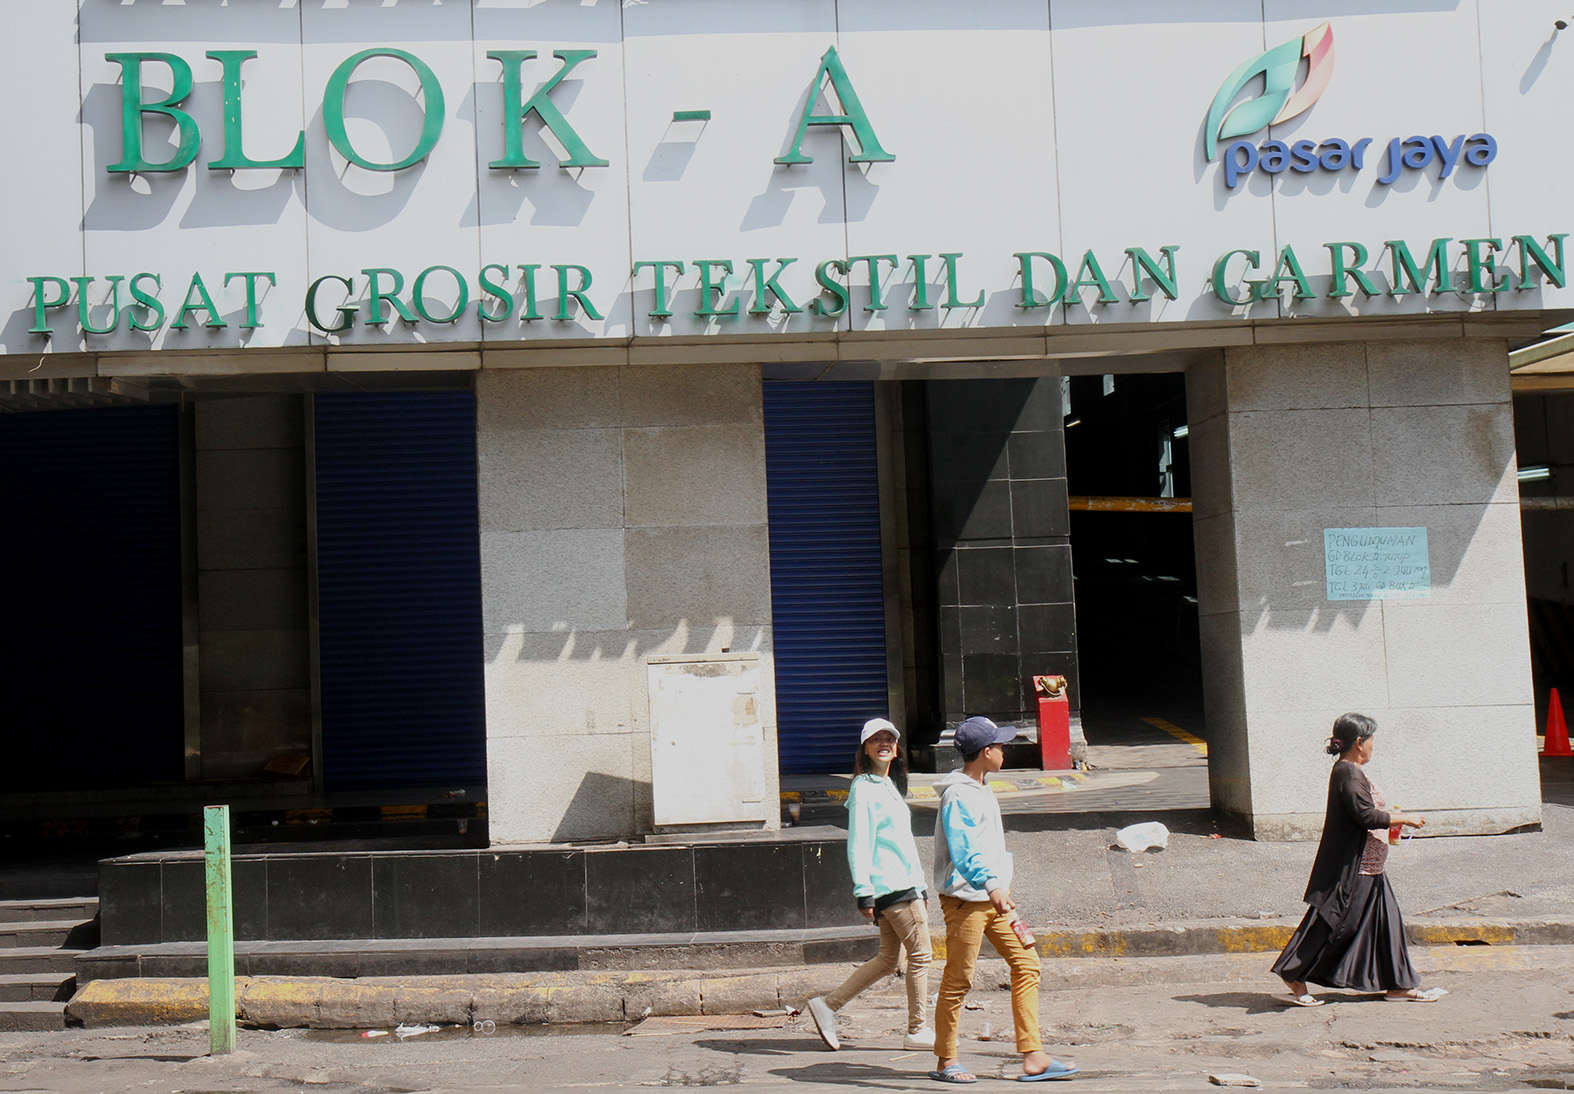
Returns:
<point x="888" y="883"/>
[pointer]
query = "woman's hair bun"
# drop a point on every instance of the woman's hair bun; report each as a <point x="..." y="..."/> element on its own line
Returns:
<point x="1349" y="730"/>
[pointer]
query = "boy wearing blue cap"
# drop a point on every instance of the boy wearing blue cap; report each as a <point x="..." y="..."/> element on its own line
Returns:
<point x="973" y="876"/>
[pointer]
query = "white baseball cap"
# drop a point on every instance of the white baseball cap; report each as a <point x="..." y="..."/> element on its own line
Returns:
<point x="875" y="725"/>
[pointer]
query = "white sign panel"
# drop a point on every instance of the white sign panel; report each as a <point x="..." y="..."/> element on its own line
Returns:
<point x="1377" y="563"/>
<point x="363" y="174"/>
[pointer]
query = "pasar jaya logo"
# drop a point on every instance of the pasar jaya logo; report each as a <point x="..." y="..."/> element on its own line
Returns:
<point x="1293" y="77"/>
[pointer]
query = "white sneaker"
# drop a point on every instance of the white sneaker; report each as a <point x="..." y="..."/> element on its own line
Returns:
<point x="824" y="1021"/>
<point x="924" y="1038"/>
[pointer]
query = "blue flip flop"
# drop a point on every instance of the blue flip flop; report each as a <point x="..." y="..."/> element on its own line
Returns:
<point x="953" y="1074"/>
<point x="1057" y="1069"/>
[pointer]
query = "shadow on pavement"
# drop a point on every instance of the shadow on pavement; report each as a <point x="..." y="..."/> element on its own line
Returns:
<point x="777" y="1047"/>
<point x="851" y="1074"/>
<point x="1247" y="1002"/>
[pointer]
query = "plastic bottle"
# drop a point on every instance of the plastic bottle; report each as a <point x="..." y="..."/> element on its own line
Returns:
<point x="1024" y="933"/>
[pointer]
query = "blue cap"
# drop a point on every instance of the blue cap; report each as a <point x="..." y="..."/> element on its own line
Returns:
<point x="977" y="732"/>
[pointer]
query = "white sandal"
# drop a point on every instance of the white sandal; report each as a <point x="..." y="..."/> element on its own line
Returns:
<point x="1307" y="999"/>
<point x="1430" y="995"/>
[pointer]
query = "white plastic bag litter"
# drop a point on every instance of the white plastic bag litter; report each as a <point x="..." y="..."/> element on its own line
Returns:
<point x="1140" y="837"/>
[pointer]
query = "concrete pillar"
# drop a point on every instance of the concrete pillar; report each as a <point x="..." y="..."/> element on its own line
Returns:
<point x="623" y="516"/>
<point x="1287" y="441"/>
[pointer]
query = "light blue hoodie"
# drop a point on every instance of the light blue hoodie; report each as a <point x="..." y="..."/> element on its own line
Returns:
<point x="970" y="840"/>
<point x="880" y="848"/>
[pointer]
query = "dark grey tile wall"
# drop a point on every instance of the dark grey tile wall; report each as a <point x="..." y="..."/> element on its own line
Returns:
<point x="1001" y="533"/>
<point x="484" y="893"/>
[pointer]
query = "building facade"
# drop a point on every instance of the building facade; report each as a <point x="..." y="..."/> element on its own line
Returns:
<point x="599" y="409"/>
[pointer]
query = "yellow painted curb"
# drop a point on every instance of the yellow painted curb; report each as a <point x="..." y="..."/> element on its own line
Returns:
<point x="1254" y="939"/>
<point x="1445" y="934"/>
<point x="149" y="1000"/>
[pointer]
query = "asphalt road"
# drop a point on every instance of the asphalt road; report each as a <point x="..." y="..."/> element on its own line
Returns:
<point x="1507" y="1025"/>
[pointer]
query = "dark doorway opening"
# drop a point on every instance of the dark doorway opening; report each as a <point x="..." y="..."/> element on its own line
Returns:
<point x="1544" y="439"/>
<point x="1135" y="578"/>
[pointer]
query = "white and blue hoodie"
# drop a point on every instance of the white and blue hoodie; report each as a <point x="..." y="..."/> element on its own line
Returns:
<point x="970" y="840"/>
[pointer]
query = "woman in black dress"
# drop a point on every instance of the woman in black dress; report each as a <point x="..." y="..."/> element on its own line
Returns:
<point x="1353" y="935"/>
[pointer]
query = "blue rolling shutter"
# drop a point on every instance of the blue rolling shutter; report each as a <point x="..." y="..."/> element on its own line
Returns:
<point x="90" y="631"/>
<point x="399" y="590"/>
<point x="827" y="603"/>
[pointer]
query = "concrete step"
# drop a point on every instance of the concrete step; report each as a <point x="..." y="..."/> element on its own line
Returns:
<point x="356" y="957"/>
<point x="36" y="987"/>
<point x="47" y="932"/>
<point x="28" y="1017"/>
<point x="75" y="909"/>
<point x="26" y="960"/>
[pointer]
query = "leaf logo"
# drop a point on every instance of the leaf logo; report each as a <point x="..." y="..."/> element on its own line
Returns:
<point x="1280" y="99"/>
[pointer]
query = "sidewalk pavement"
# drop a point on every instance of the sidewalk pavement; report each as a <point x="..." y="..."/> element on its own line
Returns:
<point x="277" y="1002"/>
<point x="1101" y="914"/>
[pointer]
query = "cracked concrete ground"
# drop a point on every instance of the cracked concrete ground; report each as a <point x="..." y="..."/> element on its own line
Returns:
<point x="1507" y="1025"/>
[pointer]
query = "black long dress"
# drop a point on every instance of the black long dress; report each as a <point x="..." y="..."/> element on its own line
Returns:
<point x="1352" y="935"/>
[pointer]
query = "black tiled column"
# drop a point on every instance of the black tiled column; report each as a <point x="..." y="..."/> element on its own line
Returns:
<point x="1002" y="542"/>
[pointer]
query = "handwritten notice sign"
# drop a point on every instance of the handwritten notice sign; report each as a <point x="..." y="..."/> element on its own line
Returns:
<point x="1377" y="563"/>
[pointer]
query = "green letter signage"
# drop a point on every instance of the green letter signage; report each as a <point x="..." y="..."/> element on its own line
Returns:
<point x="149" y="302"/>
<point x="251" y="277"/>
<point x="565" y="294"/>
<point x="333" y="109"/>
<point x="498" y="291"/>
<point x="920" y="301"/>
<point x="1405" y="265"/>
<point x="132" y="108"/>
<point x="517" y="110"/>
<point x="376" y="295"/>
<point x="765" y="287"/>
<point x="114" y="301"/>
<point x="876" y="289"/>
<point x="1089" y="275"/>
<point x="1164" y="277"/>
<point x="713" y="292"/>
<point x="1479" y="265"/>
<point x="663" y="309"/>
<point x="869" y="150"/>
<point x="1288" y="268"/>
<point x="418" y="295"/>
<point x="828" y="284"/>
<point x="234" y="156"/>
<point x="1030" y="296"/>
<point x="346" y="313"/>
<point x="198" y="299"/>
<point x="1220" y="268"/>
<point x="1551" y="268"/>
<point x="952" y="300"/>
<point x="42" y="304"/>
<point x="1344" y="271"/>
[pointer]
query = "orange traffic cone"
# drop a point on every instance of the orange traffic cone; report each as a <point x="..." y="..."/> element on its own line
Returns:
<point x="1557" y="729"/>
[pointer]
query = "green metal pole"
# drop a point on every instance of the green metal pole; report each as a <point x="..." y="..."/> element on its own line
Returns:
<point x="221" y="931"/>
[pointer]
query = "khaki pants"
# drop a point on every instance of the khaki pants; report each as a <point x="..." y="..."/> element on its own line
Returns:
<point x="905" y="924"/>
<point x="967" y="924"/>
